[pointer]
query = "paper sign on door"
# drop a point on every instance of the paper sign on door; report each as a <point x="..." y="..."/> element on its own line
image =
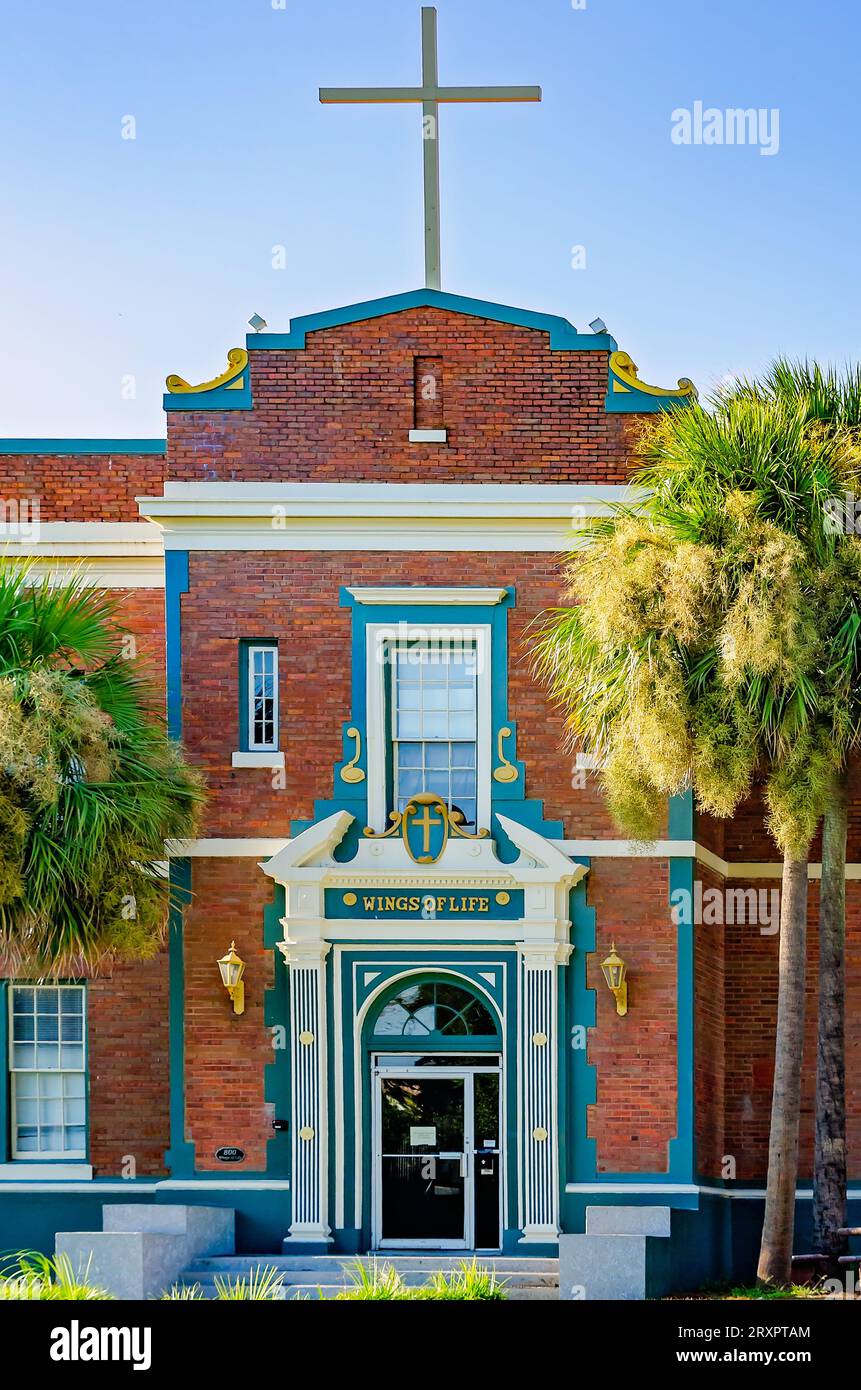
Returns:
<point x="422" y="1134"/>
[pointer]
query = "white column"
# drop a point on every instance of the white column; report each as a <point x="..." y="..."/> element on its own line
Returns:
<point x="309" y="1179"/>
<point x="539" y="1044"/>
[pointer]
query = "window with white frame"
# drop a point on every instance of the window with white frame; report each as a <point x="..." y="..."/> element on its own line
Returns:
<point x="47" y="1065"/>
<point x="262" y="696"/>
<point x="434" y="724"/>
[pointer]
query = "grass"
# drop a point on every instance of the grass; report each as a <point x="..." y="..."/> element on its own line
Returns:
<point x="757" y="1293"/>
<point x="35" y="1277"/>
<point x="468" y="1281"/>
<point x="262" y="1284"/>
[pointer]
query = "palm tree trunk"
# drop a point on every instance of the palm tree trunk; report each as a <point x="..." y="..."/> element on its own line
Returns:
<point x="775" y="1254"/>
<point x="829" y="1165"/>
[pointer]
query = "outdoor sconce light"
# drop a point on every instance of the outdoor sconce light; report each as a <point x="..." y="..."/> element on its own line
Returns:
<point x="615" y="971"/>
<point x="232" y="969"/>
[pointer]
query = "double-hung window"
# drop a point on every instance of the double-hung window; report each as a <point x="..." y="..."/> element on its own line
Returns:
<point x="47" y="1061"/>
<point x="434" y="708"/>
<point x="261" y="696"/>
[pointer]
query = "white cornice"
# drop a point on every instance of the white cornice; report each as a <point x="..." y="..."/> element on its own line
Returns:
<point x="576" y="849"/>
<point x="401" y="595"/>
<point x="117" y="554"/>
<point x="377" y="516"/>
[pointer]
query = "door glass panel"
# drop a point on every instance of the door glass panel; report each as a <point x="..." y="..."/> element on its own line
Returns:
<point x="422" y="1143"/>
<point x="487" y="1160"/>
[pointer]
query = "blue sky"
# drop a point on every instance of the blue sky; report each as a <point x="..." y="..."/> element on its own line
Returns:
<point x="124" y="260"/>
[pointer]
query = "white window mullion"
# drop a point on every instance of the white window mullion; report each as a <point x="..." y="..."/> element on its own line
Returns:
<point x="262" y="714"/>
<point x="47" y="1064"/>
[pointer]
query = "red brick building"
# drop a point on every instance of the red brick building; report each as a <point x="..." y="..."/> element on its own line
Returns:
<point x="336" y="561"/>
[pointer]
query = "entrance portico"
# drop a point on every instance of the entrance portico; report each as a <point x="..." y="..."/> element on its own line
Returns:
<point x="359" y="931"/>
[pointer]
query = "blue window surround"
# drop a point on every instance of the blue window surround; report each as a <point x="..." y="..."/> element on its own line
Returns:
<point x="245" y="646"/>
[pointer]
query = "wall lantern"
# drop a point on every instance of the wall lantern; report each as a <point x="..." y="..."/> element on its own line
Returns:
<point x="615" y="971"/>
<point x="232" y="969"/>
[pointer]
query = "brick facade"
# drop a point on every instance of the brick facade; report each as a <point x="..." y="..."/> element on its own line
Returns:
<point x="515" y="410"/>
<point x="340" y="411"/>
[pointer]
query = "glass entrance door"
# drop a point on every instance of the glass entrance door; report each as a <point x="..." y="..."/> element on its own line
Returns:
<point x="427" y="1153"/>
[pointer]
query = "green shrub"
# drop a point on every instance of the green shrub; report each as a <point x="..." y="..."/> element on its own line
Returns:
<point x="469" y="1281"/>
<point x="182" y="1293"/>
<point x="263" y="1283"/>
<point x="375" y="1281"/>
<point x="33" y="1276"/>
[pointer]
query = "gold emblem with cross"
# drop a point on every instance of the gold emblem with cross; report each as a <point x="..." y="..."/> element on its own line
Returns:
<point x="425" y="820"/>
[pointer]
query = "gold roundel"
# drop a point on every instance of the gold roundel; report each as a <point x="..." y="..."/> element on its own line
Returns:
<point x="306" y="1038"/>
<point x="306" y="1132"/>
<point x="540" y="1039"/>
<point x="350" y="899"/>
<point x="540" y="1133"/>
<point x="503" y="899"/>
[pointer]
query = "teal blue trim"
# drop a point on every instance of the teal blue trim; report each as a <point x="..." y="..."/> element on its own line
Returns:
<point x="434" y="961"/>
<point x="578" y="1079"/>
<point x="245" y="643"/>
<point x="221" y="398"/>
<point x="431" y="1042"/>
<point x="276" y="1015"/>
<point x="175" y="585"/>
<point x="642" y="403"/>
<point x="179" y="1158"/>
<point x="682" y="1149"/>
<point x="83" y="446"/>
<point x="680" y="823"/>
<point x="563" y="335"/>
<point x="5" y="1106"/>
<point x="335" y="906"/>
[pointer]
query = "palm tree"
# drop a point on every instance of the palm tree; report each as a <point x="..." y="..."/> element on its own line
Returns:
<point x="830" y="400"/>
<point x="693" y="658"/>
<point x="90" y="784"/>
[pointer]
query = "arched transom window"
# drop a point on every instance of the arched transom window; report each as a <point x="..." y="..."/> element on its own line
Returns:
<point x="434" y="1009"/>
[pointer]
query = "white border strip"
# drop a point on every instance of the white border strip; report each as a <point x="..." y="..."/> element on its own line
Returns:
<point x="577" y="849"/>
<point x="656" y="1189"/>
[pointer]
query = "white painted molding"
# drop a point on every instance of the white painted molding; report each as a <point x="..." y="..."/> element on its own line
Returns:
<point x="378" y="637"/>
<point x="114" y="554"/>
<point x="378" y="516"/>
<point x="577" y="849"/>
<point x="36" y="1172"/>
<point x="657" y="1189"/>
<point x="629" y="849"/>
<point x="257" y="759"/>
<point x="408" y="595"/>
<point x="428" y="436"/>
<point x="224" y="849"/>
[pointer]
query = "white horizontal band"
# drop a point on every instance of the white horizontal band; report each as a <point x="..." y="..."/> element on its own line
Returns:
<point x="404" y="595"/>
<point x="260" y="758"/>
<point x="577" y="849"/>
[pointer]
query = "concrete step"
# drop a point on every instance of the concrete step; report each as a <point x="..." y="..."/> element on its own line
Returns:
<point x="325" y="1276"/>
<point x="412" y="1277"/>
<point x="400" y="1260"/>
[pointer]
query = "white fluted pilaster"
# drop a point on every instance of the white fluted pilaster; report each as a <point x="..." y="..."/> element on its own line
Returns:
<point x="539" y="1043"/>
<point x="309" y="1184"/>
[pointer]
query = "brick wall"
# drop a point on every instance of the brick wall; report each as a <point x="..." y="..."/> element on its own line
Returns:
<point x="709" y="1033"/>
<point x="516" y="412"/>
<point x="225" y="1052"/>
<point x="634" y="1117"/>
<point x="294" y="597"/>
<point x="82" y="487"/>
